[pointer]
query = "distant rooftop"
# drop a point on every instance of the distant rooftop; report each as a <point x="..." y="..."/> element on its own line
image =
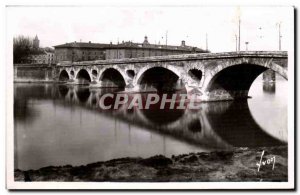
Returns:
<point x="83" y="45"/>
<point x="129" y="44"/>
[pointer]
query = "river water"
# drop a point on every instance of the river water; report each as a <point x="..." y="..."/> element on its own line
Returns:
<point x="58" y="125"/>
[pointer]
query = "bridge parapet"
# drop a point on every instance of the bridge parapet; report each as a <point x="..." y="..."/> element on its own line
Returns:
<point x="182" y="57"/>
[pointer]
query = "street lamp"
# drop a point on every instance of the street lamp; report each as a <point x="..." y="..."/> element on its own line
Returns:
<point x="260" y="28"/>
<point x="236" y="43"/>
<point x="246" y="45"/>
<point x="260" y="35"/>
<point x="279" y="35"/>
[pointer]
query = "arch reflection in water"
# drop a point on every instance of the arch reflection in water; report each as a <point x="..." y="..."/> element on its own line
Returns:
<point x="236" y="123"/>
<point x="63" y="90"/>
<point x="195" y="126"/>
<point x="215" y="124"/>
<point x="69" y="128"/>
<point x="83" y="94"/>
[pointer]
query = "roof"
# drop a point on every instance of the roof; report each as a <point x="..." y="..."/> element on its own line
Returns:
<point x="82" y="45"/>
<point x="127" y="45"/>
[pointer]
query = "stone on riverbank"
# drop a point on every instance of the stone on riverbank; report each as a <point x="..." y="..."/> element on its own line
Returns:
<point x="237" y="165"/>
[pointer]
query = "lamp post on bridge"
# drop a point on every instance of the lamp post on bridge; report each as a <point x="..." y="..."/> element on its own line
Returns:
<point x="269" y="76"/>
<point x="236" y="43"/>
<point x="246" y="43"/>
<point x="279" y="35"/>
<point x="239" y="45"/>
<point x="260" y="36"/>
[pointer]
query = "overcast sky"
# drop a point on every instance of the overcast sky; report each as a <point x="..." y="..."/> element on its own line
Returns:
<point x="58" y="25"/>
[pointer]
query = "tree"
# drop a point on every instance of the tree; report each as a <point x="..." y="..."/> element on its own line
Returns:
<point x="23" y="47"/>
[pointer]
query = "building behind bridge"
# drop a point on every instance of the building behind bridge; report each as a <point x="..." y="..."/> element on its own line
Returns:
<point x="41" y="57"/>
<point x="82" y="51"/>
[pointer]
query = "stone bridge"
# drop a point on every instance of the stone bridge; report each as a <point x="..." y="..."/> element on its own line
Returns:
<point x="209" y="76"/>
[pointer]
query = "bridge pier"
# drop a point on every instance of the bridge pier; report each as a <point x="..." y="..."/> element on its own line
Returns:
<point x="73" y="82"/>
<point x="195" y="93"/>
<point x="95" y="84"/>
<point x="131" y="88"/>
<point x="198" y="95"/>
<point x="269" y="76"/>
<point x="223" y="95"/>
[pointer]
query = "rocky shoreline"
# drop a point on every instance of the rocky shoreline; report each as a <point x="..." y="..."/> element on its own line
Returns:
<point x="237" y="165"/>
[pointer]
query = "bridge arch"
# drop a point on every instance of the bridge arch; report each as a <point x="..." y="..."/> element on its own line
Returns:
<point x="83" y="76"/>
<point x="144" y="69"/>
<point x="158" y="76"/>
<point x="112" y="77"/>
<point x="238" y="76"/>
<point x="63" y="75"/>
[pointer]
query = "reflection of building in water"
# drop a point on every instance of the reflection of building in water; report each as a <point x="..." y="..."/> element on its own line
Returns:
<point x="269" y="87"/>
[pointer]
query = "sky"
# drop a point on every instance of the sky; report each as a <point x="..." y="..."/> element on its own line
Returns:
<point x="58" y="25"/>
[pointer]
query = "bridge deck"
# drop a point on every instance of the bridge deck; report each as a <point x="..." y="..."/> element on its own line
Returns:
<point x="183" y="57"/>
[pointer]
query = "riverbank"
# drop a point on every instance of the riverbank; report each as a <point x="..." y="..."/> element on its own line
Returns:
<point x="237" y="165"/>
<point x="33" y="81"/>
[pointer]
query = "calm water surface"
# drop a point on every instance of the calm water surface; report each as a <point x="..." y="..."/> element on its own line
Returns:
<point x="60" y="125"/>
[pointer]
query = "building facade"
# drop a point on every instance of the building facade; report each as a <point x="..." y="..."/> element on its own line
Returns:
<point x="145" y="49"/>
<point x="40" y="57"/>
<point x="79" y="51"/>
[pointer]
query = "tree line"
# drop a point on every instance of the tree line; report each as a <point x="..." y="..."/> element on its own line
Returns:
<point x="23" y="48"/>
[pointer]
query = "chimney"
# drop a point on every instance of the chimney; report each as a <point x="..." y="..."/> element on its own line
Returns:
<point x="183" y="43"/>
